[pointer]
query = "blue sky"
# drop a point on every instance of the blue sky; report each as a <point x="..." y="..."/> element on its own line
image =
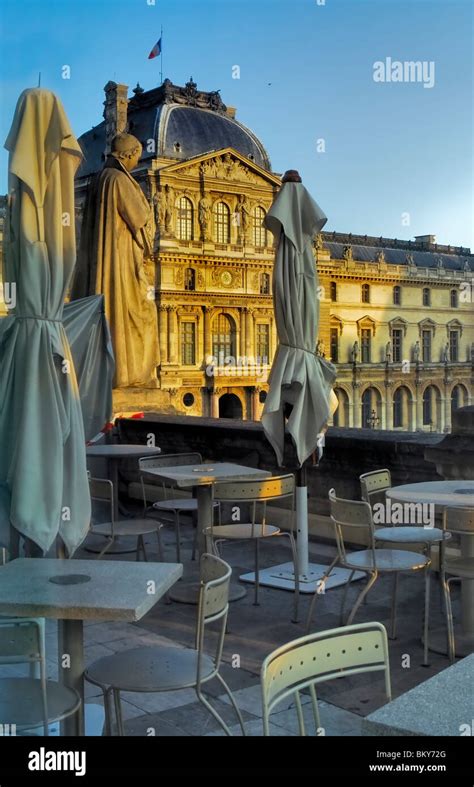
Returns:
<point x="391" y="149"/>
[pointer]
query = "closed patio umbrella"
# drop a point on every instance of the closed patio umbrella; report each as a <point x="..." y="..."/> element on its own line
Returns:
<point x="43" y="480"/>
<point x="300" y="399"/>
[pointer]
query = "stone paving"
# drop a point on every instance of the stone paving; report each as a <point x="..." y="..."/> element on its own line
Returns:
<point x="253" y="632"/>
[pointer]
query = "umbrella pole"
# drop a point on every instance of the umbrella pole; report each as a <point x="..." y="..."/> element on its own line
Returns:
<point x="302" y="521"/>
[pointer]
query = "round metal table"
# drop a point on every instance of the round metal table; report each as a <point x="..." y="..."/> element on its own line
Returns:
<point x="447" y="494"/>
<point x="114" y="453"/>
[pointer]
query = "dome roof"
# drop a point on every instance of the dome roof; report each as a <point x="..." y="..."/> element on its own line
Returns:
<point x="182" y="123"/>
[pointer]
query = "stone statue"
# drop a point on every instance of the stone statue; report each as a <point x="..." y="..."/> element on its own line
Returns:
<point x="416" y="352"/>
<point x="446" y="353"/>
<point x="243" y="212"/>
<point x="115" y="245"/>
<point x="320" y="349"/>
<point x="205" y="215"/>
<point x="165" y="210"/>
<point x="355" y="352"/>
<point x="388" y="352"/>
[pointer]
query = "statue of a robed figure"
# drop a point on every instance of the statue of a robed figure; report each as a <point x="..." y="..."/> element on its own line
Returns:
<point x="114" y="248"/>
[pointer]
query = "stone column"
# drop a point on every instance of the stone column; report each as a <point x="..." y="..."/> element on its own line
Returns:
<point x="207" y="333"/>
<point x="173" y="334"/>
<point x="215" y="402"/>
<point x="388" y="406"/>
<point x="256" y="405"/>
<point x="163" y="337"/>
<point x="357" y="405"/>
<point x="249" y="334"/>
<point x="447" y="409"/>
<point x="419" y="405"/>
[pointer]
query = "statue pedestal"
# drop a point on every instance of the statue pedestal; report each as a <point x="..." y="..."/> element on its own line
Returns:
<point x="454" y="455"/>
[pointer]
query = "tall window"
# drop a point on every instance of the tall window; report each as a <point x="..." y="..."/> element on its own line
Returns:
<point x="398" y="408"/>
<point x="365" y="340"/>
<point x="366" y="293"/>
<point x="333" y="291"/>
<point x="397" y="295"/>
<point x="263" y="342"/>
<point x="454" y="346"/>
<point x="259" y="231"/>
<point x="426" y="346"/>
<point x="185" y="219"/>
<point x="455" y="399"/>
<point x="223" y="338"/>
<point x="334" y="345"/>
<point x="188" y="343"/>
<point x="190" y="279"/>
<point x="370" y="408"/>
<point x="426" y="296"/>
<point x="222" y="222"/>
<point x="454" y="300"/>
<point x="264" y="284"/>
<point x="397" y="338"/>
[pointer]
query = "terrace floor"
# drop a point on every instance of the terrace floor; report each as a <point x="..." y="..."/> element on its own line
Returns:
<point x="253" y="632"/>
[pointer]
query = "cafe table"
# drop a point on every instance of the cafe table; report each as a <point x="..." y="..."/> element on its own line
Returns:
<point x="72" y="591"/>
<point x="113" y="453"/>
<point x="447" y="494"/>
<point x="199" y="479"/>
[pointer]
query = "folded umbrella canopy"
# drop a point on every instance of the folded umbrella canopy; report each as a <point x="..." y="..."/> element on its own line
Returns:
<point x="298" y="377"/>
<point x="43" y="479"/>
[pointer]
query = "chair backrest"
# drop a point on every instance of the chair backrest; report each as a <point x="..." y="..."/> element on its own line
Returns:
<point x="316" y="658"/>
<point x="346" y="514"/>
<point x="374" y="484"/>
<point x="213" y="604"/>
<point x="22" y="641"/>
<point x="459" y="520"/>
<point x="251" y="491"/>
<point x="102" y="490"/>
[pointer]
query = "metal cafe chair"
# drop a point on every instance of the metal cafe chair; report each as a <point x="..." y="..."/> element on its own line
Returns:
<point x="170" y="506"/>
<point x="154" y="669"/>
<point x="102" y="490"/>
<point x="316" y="658"/>
<point x="257" y="494"/>
<point x="351" y="514"/>
<point x="31" y="702"/>
<point x="460" y="522"/>
<point x="373" y="486"/>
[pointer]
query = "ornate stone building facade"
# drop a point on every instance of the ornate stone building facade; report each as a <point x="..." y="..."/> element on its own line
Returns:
<point x="397" y="319"/>
<point x="209" y="181"/>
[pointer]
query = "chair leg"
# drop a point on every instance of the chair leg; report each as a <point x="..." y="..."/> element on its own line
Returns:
<point x="393" y="612"/>
<point x="427" y="616"/>
<point x="344" y="596"/>
<point x="107" y="546"/>
<point x="370" y="583"/>
<point x="161" y="553"/>
<point x="234" y="704"/>
<point x="257" y="571"/>
<point x="318" y="592"/>
<point x="212" y="711"/>
<point x="449" y="619"/>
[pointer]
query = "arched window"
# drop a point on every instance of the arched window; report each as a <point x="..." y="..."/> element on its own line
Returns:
<point x="402" y="408"/>
<point x="264" y="284"/>
<point x="222" y="222"/>
<point x="184" y="229"/>
<point x="223" y="338"/>
<point x="432" y="408"/>
<point x="397" y="295"/>
<point x="366" y="293"/>
<point x="190" y="279"/>
<point x="333" y="291"/>
<point x="259" y="231"/>
<point x="426" y="296"/>
<point x="454" y="300"/>
<point x="341" y="415"/>
<point x="458" y="397"/>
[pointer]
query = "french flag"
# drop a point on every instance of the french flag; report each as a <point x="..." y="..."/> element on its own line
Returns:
<point x="156" y="51"/>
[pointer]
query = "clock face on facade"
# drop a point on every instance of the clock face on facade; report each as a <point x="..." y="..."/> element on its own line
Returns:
<point x="226" y="278"/>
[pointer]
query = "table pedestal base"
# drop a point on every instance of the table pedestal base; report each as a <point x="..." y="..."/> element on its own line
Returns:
<point x="282" y="576"/>
<point x="438" y="642"/>
<point x="188" y="592"/>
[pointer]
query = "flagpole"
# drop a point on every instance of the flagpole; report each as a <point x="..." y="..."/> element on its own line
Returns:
<point x="161" y="74"/>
